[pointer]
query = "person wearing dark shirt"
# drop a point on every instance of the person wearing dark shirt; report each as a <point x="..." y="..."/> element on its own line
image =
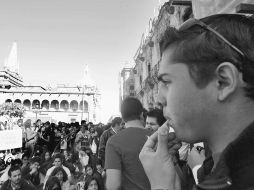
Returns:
<point x="123" y="168"/>
<point x="15" y="181"/>
<point x="115" y="128"/>
<point x="32" y="173"/>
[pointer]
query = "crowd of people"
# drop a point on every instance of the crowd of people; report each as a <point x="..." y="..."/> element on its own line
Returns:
<point x="67" y="151"/>
<point x="206" y="91"/>
<point x="80" y="156"/>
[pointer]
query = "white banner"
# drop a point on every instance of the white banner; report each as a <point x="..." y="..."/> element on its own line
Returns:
<point x="10" y="139"/>
<point x="204" y="8"/>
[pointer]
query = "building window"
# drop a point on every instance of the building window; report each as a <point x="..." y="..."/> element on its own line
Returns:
<point x="131" y="94"/>
<point x="132" y="87"/>
<point x="149" y="68"/>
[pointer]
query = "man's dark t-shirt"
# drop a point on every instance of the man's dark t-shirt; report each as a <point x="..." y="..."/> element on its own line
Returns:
<point x="122" y="153"/>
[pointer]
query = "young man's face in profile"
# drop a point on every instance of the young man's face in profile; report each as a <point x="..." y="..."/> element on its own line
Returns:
<point x="190" y="108"/>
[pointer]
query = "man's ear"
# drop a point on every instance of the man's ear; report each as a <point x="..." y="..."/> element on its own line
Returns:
<point x="227" y="80"/>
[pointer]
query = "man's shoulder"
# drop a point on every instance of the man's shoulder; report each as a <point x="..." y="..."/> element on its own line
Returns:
<point x="6" y="185"/>
<point x="50" y="170"/>
<point x="25" y="185"/>
<point x="125" y="135"/>
<point x="132" y="130"/>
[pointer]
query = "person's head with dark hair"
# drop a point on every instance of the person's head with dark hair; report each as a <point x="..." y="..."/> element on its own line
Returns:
<point x="14" y="174"/>
<point x="35" y="159"/>
<point x="13" y="168"/>
<point x="89" y="170"/>
<point x="35" y="164"/>
<point x="98" y="166"/>
<point x="131" y="109"/>
<point x="83" y="122"/>
<point x="58" y="160"/>
<point x="16" y="162"/>
<point x="24" y="155"/>
<point x="38" y="122"/>
<point x="117" y="123"/>
<point x="92" y="184"/>
<point x="206" y="73"/>
<point x="53" y="184"/>
<point x="154" y="119"/>
<point x="46" y="156"/>
<point x="60" y="173"/>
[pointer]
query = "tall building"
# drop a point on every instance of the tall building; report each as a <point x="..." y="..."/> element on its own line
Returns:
<point x="147" y="58"/>
<point x="62" y="103"/>
<point x="126" y="82"/>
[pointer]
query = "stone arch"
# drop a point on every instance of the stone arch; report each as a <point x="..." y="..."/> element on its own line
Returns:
<point x="36" y="104"/>
<point x="54" y="104"/>
<point x="27" y="103"/>
<point x="18" y="101"/>
<point x="8" y="100"/>
<point x="74" y="105"/>
<point x="85" y="106"/>
<point x="64" y="105"/>
<point x="45" y="104"/>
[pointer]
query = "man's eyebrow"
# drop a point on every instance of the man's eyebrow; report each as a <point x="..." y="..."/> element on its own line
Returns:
<point x="160" y="76"/>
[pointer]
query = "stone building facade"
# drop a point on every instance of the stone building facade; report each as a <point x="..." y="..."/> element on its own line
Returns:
<point x="62" y="103"/>
<point x="147" y="58"/>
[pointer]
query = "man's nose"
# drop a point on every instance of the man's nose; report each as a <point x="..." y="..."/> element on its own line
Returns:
<point x="161" y="99"/>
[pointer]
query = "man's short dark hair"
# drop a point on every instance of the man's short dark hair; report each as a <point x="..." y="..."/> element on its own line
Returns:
<point x="12" y="169"/>
<point x="58" y="155"/>
<point x="158" y="114"/>
<point x="83" y="122"/>
<point x="202" y="51"/>
<point x="35" y="159"/>
<point x="116" y="121"/>
<point x="16" y="162"/>
<point x="131" y="109"/>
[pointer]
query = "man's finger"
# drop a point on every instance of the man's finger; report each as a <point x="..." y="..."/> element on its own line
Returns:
<point x="162" y="148"/>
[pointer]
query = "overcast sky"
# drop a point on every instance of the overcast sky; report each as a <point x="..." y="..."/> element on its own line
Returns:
<point x="56" y="38"/>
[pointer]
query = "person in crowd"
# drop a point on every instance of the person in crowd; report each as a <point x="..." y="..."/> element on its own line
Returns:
<point x="89" y="125"/>
<point x="38" y="124"/>
<point x="62" y="177"/>
<point x="114" y="129"/>
<point x="53" y="184"/>
<point x="87" y="172"/>
<point x="13" y="162"/>
<point x="92" y="184"/>
<point x="123" y="168"/>
<point x="25" y="161"/>
<point x="46" y="162"/>
<point x="154" y="119"/>
<point x="15" y="181"/>
<point x="58" y="162"/>
<point x="99" y="168"/>
<point x="206" y="88"/>
<point x="32" y="174"/>
<point x="94" y="144"/>
<point x="54" y="137"/>
<point x="31" y="136"/>
<point x="83" y="138"/>
<point x="43" y="135"/>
